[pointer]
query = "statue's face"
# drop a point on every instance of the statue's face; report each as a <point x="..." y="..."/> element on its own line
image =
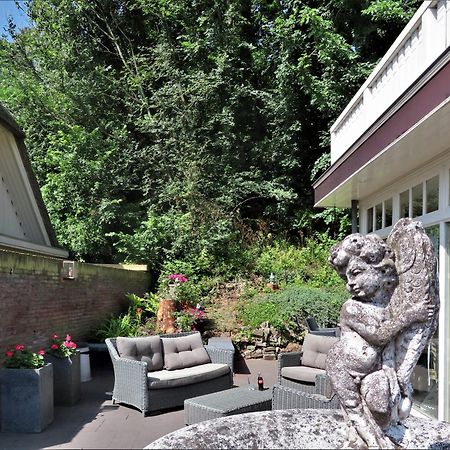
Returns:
<point x="363" y="280"/>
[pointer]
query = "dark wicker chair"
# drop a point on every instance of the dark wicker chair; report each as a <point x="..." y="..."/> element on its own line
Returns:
<point x="314" y="328"/>
<point x="302" y="379"/>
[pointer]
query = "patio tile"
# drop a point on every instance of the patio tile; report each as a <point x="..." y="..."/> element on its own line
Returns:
<point x="96" y="423"/>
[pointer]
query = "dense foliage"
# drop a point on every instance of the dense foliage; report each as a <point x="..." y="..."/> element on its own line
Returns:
<point x="287" y="310"/>
<point x="165" y="131"/>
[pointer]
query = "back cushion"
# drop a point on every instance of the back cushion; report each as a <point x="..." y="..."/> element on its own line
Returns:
<point x="184" y="351"/>
<point x="147" y="349"/>
<point x="315" y="350"/>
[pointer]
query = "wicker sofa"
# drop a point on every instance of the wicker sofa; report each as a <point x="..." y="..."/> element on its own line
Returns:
<point x="302" y="379"/>
<point x="158" y="372"/>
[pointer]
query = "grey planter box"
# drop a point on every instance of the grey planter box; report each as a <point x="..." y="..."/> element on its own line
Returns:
<point x="26" y="399"/>
<point x="66" y="379"/>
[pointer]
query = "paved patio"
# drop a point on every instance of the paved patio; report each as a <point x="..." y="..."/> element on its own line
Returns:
<point x="96" y="423"/>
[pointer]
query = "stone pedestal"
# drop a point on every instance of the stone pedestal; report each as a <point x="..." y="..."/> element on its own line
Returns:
<point x="66" y="379"/>
<point x="26" y="399"/>
<point x="293" y="428"/>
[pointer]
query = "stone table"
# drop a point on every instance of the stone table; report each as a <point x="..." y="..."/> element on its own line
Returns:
<point x="293" y="428"/>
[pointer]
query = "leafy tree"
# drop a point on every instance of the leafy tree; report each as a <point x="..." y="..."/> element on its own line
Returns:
<point x="168" y="129"/>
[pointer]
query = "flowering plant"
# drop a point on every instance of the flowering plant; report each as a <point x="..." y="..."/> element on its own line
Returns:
<point x="62" y="348"/>
<point x="190" y="318"/>
<point x="23" y="358"/>
<point x="175" y="281"/>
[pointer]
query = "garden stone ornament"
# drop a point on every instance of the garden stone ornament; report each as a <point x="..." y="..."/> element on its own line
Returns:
<point x="385" y="325"/>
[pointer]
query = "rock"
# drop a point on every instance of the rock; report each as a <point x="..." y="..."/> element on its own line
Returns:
<point x="270" y="349"/>
<point x="293" y="347"/>
<point x="258" y="333"/>
<point x="269" y="356"/>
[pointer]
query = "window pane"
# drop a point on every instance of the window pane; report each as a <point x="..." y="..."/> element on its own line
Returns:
<point x="433" y="194"/>
<point x="388" y="213"/>
<point x="417" y="200"/>
<point x="404" y="204"/>
<point x="378" y="217"/>
<point x="370" y="220"/>
<point x="424" y="378"/>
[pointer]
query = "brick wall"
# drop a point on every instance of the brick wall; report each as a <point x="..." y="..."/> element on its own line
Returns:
<point x="36" y="301"/>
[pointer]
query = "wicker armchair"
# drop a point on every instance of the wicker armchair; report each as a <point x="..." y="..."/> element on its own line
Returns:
<point x="131" y="380"/>
<point x="302" y="380"/>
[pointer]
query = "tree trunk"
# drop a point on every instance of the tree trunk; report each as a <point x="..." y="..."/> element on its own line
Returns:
<point x="165" y="320"/>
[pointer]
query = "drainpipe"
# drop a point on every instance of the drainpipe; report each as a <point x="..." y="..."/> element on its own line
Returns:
<point x="354" y="216"/>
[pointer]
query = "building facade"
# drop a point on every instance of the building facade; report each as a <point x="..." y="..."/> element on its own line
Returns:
<point x="390" y="158"/>
<point x="24" y="222"/>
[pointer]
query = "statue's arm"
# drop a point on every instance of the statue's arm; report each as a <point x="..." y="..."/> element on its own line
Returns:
<point x="377" y="331"/>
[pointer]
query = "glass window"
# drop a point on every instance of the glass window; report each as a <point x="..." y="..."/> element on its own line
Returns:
<point x="378" y="217"/>
<point x="370" y="220"/>
<point x="388" y="212"/>
<point x="417" y="200"/>
<point x="404" y="204"/>
<point x="432" y="192"/>
<point x="424" y="378"/>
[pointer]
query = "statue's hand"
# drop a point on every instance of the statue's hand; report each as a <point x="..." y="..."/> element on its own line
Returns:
<point x="421" y="311"/>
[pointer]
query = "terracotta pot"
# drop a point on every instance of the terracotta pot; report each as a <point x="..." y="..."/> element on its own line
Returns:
<point x="165" y="320"/>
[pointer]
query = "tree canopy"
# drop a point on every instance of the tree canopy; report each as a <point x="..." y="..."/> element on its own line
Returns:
<point x="166" y="128"/>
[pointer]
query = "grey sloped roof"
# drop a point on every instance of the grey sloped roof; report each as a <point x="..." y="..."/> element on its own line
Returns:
<point x="7" y="120"/>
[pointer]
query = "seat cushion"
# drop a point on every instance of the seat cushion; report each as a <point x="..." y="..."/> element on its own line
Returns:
<point x="184" y="351"/>
<point x="147" y="349"/>
<point x="315" y="349"/>
<point x="181" y="377"/>
<point x="302" y="373"/>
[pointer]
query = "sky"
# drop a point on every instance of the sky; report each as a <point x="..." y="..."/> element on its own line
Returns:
<point x="9" y="8"/>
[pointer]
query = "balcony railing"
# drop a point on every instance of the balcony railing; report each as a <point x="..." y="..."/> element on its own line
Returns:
<point x="425" y="37"/>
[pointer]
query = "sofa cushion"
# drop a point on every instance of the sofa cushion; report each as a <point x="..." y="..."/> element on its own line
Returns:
<point x="302" y="373"/>
<point x="315" y="349"/>
<point x="147" y="349"/>
<point x="184" y="351"/>
<point x="189" y="375"/>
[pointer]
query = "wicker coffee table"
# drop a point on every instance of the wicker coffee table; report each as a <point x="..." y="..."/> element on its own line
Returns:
<point x="227" y="403"/>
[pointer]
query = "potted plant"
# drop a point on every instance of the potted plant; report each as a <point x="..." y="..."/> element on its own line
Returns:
<point x="165" y="318"/>
<point x="66" y="370"/>
<point x="26" y="396"/>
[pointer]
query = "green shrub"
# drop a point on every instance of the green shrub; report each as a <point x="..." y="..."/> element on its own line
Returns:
<point x="299" y="265"/>
<point x="149" y="303"/>
<point x="124" y="325"/>
<point x="253" y="314"/>
<point x="286" y="310"/>
<point x="299" y="302"/>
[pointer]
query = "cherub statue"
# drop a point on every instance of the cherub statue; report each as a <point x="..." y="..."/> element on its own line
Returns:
<point x="384" y="328"/>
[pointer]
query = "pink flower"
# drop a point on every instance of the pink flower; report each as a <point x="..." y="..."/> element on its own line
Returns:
<point x="55" y="336"/>
<point x="54" y="347"/>
<point x="68" y="337"/>
<point x="20" y="347"/>
<point x="10" y="354"/>
<point x="178" y="277"/>
<point x="69" y="344"/>
<point x="41" y="352"/>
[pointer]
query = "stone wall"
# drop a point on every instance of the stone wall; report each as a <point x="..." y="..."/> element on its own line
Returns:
<point x="37" y="301"/>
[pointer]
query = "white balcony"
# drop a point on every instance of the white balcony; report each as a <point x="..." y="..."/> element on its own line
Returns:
<point x="425" y="37"/>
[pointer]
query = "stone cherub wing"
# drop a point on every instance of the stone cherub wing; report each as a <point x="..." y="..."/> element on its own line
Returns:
<point x="416" y="267"/>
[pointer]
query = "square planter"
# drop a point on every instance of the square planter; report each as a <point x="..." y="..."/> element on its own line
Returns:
<point x="66" y="379"/>
<point x="26" y="398"/>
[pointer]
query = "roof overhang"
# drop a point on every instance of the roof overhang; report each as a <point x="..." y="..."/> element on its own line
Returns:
<point x="23" y="189"/>
<point x="412" y="132"/>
